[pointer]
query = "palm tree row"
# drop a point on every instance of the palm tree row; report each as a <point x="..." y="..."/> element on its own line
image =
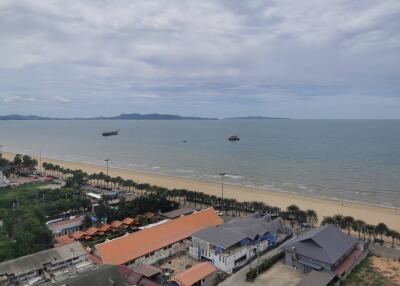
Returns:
<point x="348" y="223"/>
<point x="292" y="213"/>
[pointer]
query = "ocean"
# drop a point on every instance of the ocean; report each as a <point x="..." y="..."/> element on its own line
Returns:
<point x="354" y="160"/>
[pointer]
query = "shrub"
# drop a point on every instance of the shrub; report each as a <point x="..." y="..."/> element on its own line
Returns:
<point x="252" y="274"/>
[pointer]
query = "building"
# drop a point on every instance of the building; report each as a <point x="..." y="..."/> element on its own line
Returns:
<point x="149" y="245"/>
<point x="103" y="275"/>
<point x="178" y="212"/>
<point x="37" y="266"/>
<point x="62" y="240"/>
<point x="4" y="182"/>
<point x="65" y="226"/>
<point x="201" y="274"/>
<point x="233" y="244"/>
<point x="326" y="248"/>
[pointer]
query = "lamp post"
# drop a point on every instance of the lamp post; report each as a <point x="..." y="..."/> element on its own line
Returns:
<point x="107" y="160"/>
<point x="222" y="188"/>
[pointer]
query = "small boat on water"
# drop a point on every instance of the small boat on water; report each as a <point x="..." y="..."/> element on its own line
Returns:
<point x="233" y="138"/>
<point x="110" y="133"/>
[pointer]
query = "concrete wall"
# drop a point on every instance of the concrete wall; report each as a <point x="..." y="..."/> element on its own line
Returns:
<point x="159" y="254"/>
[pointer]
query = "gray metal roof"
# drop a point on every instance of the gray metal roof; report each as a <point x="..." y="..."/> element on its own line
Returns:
<point x="35" y="261"/>
<point x="326" y="244"/>
<point x="104" y="275"/>
<point x="232" y="232"/>
<point x="179" y="212"/>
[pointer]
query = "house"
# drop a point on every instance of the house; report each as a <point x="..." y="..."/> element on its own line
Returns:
<point x="149" y="245"/>
<point x="79" y="235"/>
<point x="4" y="182"/>
<point x="25" y="269"/>
<point x="151" y="217"/>
<point x="145" y="275"/>
<point x="177" y="213"/>
<point x="201" y="274"/>
<point x="94" y="198"/>
<point x="325" y="248"/>
<point x="232" y="244"/>
<point x="116" y="224"/>
<point x="62" y="240"/>
<point x="92" y="231"/>
<point x="103" y="275"/>
<point x="65" y="226"/>
<point x="104" y="228"/>
<point x="128" y="221"/>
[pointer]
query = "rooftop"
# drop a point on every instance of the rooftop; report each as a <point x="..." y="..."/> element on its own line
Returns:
<point x="104" y="275"/>
<point x="194" y="274"/>
<point x="236" y="230"/>
<point x="129" y="247"/>
<point x="57" y="226"/>
<point x="179" y="212"/>
<point x="36" y="260"/>
<point x="62" y="240"/>
<point x="147" y="270"/>
<point x="326" y="244"/>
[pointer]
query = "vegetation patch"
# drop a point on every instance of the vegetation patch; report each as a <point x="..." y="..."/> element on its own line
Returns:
<point x="252" y="274"/>
<point x="367" y="274"/>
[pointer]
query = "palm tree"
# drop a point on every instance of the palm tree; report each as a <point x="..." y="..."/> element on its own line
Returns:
<point x="393" y="234"/>
<point x="348" y="221"/>
<point x="328" y="220"/>
<point x="338" y="218"/>
<point x="370" y="228"/>
<point x="359" y="226"/>
<point x="312" y="217"/>
<point x="381" y="229"/>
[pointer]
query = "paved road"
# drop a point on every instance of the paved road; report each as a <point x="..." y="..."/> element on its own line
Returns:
<point x="239" y="278"/>
<point x="384" y="251"/>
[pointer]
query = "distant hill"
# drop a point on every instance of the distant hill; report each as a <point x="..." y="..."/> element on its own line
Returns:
<point x="23" y="117"/>
<point x="133" y="116"/>
<point x="256" y="118"/>
<point x="154" y="116"/>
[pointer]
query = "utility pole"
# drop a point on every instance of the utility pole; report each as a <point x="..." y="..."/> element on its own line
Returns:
<point x="222" y="188"/>
<point x="107" y="160"/>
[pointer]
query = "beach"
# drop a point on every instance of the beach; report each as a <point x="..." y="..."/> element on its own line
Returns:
<point x="324" y="207"/>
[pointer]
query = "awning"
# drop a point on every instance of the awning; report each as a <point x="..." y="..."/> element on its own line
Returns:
<point x="312" y="265"/>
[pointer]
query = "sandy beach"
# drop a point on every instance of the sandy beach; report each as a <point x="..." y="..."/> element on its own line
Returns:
<point x="324" y="207"/>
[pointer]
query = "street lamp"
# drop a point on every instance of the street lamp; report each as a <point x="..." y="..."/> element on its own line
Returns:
<point x="107" y="160"/>
<point x="222" y="188"/>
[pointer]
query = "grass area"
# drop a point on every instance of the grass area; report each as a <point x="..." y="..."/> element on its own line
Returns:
<point x="366" y="274"/>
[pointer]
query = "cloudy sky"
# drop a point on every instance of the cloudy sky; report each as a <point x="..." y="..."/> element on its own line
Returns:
<point x="301" y="59"/>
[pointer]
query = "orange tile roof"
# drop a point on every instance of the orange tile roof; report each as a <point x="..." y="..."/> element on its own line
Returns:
<point x="116" y="223"/>
<point x="149" y="215"/>
<point x="104" y="227"/>
<point x="128" y="221"/>
<point x="92" y="230"/>
<point x="62" y="240"/>
<point x="121" y="250"/>
<point x="194" y="274"/>
<point x="78" y="234"/>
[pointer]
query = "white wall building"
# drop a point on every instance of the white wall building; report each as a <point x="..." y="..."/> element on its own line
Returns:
<point x="4" y="182"/>
<point x="231" y="245"/>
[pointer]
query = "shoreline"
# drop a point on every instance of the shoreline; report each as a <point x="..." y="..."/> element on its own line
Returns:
<point x="369" y="213"/>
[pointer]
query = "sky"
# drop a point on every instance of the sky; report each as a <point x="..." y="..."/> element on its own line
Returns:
<point x="298" y="59"/>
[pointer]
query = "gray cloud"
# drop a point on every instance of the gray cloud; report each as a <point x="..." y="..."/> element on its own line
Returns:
<point x="241" y="57"/>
